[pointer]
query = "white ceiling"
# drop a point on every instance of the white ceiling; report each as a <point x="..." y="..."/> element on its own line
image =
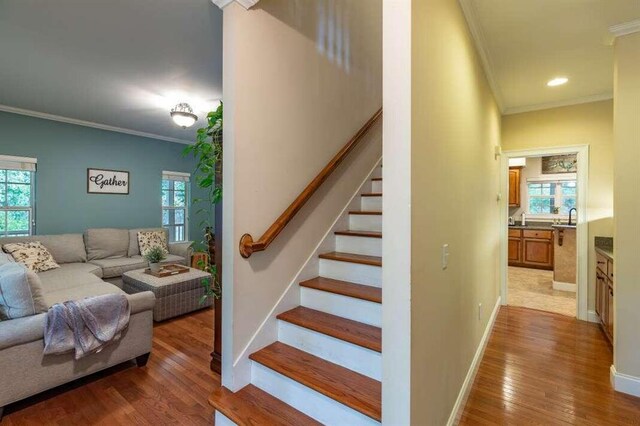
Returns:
<point x="525" y="43"/>
<point x="119" y="63"/>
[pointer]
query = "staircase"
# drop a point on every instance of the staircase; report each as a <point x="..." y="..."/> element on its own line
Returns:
<point x="326" y="367"/>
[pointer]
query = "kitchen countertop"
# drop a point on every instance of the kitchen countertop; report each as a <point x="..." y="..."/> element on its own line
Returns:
<point x="605" y="251"/>
<point x="533" y="227"/>
<point x="564" y="226"/>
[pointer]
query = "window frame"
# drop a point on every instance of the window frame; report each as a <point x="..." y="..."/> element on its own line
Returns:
<point x="176" y="177"/>
<point x="6" y="166"/>
<point x="558" y="196"/>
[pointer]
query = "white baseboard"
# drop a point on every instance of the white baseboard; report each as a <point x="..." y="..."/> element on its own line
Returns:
<point x="559" y="285"/>
<point x="473" y="369"/>
<point x="625" y="383"/>
<point x="593" y="317"/>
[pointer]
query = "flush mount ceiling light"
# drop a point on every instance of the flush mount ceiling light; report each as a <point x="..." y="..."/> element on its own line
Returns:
<point x="183" y="115"/>
<point x="558" y="81"/>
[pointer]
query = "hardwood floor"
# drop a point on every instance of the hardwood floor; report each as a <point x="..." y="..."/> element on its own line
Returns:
<point x="544" y="368"/>
<point x="172" y="389"/>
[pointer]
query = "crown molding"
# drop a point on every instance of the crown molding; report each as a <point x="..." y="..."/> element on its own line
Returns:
<point x="625" y="28"/>
<point x="43" y="115"/>
<point x="477" y="34"/>
<point x="247" y="4"/>
<point x="558" y="104"/>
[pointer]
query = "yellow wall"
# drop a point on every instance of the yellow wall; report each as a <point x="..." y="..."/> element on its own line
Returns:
<point x="455" y="182"/>
<point x="295" y="92"/>
<point x="627" y="205"/>
<point x="586" y="124"/>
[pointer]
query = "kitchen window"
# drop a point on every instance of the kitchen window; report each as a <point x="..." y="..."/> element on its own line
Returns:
<point x="17" y="196"/>
<point x="175" y="205"/>
<point x="551" y="198"/>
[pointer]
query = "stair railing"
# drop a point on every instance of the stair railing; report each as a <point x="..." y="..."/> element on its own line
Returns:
<point x="248" y="246"/>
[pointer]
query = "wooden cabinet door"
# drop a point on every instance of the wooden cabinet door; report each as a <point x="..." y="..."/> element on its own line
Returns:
<point x="600" y="289"/>
<point x="609" y="324"/>
<point x="538" y="253"/>
<point x="515" y="250"/>
<point x="514" y="187"/>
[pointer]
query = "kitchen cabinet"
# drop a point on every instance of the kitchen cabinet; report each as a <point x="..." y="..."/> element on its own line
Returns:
<point x="605" y="293"/>
<point x="531" y="248"/>
<point x="514" y="186"/>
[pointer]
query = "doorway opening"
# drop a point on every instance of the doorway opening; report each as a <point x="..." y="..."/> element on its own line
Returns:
<point x="544" y="262"/>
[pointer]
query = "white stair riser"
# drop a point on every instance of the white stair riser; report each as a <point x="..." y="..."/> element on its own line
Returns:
<point x="371" y="203"/>
<point x="359" y="245"/>
<point x="354" y="357"/>
<point x="222" y="420"/>
<point x="377" y="172"/>
<point x="365" y="222"/>
<point x="312" y="403"/>
<point x="342" y="306"/>
<point x="376" y="186"/>
<point x="351" y="272"/>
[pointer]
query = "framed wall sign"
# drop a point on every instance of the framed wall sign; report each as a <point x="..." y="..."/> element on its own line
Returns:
<point x="103" y="181"/>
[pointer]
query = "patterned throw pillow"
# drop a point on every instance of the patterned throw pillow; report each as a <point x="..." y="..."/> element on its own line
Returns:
<point x="33" y="255"/>
<point x="150" y="239"/>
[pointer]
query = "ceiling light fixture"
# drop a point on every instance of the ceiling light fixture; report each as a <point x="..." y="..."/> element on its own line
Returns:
<point x="183" y="115"/>
<point x="558" y="81"/>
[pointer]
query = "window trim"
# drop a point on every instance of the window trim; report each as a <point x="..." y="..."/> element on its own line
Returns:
<point x="177" y="177"/>
<point x="558" y="196"/>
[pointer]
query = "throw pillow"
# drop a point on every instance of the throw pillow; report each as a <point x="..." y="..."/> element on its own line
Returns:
<point x="21" y="292"/>
<point x="33" y="254"/>
<point x="150" y="239"/>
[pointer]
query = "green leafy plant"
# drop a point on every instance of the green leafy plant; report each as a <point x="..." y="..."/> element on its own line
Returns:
<point x="155" y="255"/>
<point x="207" y="150"/>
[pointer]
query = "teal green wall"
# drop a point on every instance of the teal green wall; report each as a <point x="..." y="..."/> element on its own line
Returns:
<point x="65" y="151"/>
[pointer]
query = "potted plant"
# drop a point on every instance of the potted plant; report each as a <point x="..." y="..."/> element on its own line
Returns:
<point x="207" y="150"/>
<point x="154" y="256"/>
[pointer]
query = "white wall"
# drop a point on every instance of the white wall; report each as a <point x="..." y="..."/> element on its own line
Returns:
<point x="300" y="78"/>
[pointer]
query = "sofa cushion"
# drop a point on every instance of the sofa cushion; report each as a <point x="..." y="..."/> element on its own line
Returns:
<point x="21" y="292"/>
<point x="171" y="258"/>
<point x="77" y="293"/>
<point x="70" y="275"/>
<point x="115" y="267"/>
<point x="32" y="254"/>
<point x="65" y="248"/>
<point x="104" y="243"/>
<point x="134" y="248"/>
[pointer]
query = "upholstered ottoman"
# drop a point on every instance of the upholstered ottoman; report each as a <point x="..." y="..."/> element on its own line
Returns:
<point x="175" y="295"/>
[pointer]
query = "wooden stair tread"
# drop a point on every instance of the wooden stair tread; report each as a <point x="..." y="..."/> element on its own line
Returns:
<point x="371" y="194"/>
<point x="362" y="259"/>
<point x="252" y="406"/>
<point x="352" y="389"/>
<point x="357" y="333"/>
<point x="344" y="288"/>
<point x="369" y="234"/>
<point x="376" y="178"/>
<point x="366" y="212"/>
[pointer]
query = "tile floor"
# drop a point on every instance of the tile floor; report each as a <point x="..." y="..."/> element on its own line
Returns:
<point x="533" y="288"/>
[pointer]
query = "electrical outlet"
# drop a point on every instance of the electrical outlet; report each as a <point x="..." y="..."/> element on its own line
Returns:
<point x="479" y="311"/>
<point x="445" y="256"/>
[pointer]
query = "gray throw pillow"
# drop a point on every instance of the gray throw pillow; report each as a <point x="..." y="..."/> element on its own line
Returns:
<point x="21" y="292"/>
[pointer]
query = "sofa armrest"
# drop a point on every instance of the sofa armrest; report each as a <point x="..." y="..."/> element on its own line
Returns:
<point x="182" y="249"/>
<point x="21" y="330"/>
<point x="140" y="302"/>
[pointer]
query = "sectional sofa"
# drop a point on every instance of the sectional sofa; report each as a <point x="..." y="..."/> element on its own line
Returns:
<point x="90" y="264"/>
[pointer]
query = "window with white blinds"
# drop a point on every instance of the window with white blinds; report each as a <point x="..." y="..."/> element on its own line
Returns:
<point x="175" y="205"/>
<point x="17" y="196"/>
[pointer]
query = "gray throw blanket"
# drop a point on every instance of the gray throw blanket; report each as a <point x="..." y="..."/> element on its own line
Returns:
<point x="85" y="325"/>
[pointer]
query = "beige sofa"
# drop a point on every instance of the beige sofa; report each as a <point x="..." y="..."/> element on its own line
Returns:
<point x="86" y="261"/>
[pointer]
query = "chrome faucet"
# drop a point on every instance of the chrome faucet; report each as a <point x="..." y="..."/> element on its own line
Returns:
<point x="571" y="215"/>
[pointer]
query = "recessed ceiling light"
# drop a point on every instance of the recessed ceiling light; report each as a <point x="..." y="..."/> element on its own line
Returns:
<point x="558" y="81"/>
<point x="183" y="115"/>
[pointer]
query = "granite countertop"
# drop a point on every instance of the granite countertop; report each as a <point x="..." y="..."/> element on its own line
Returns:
<point x="533" y="226"/>
<point x="604" y="245"/>
<point x="564" y="226"/>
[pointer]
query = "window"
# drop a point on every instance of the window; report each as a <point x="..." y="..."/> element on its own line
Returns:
<point x="551" y="197"/>
<point x="17" y="176"/>
<point x="175" y="205"/>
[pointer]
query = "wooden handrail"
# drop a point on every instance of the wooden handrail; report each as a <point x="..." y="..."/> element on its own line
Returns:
<point x="248" y="246"/>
